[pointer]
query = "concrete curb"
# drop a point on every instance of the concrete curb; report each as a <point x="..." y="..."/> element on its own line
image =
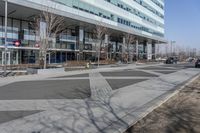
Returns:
<point x="159" y="103"/>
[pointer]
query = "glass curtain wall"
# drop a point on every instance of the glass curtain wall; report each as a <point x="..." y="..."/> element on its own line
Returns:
<point x="20" y="30"/>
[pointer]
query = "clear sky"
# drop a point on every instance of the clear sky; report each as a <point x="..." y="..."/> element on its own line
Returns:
<point x="182" y="22"/>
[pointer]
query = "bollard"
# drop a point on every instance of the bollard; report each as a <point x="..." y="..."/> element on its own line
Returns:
<point x="87" y="65"/>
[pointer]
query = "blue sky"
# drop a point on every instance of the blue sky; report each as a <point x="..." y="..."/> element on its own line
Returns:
<point x="182" y="22"/>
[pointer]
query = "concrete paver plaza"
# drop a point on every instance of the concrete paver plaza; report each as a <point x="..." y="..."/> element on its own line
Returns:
<point x="104" y="100"/>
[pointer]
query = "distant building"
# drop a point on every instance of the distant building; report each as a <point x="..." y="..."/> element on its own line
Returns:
<point x="142" y="18"/>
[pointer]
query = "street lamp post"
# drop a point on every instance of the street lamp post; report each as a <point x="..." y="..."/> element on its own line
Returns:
<point x="172" y="42"/>
<point x="5" y="45"/>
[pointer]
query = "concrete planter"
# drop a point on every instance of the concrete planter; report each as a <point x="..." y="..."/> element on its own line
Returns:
<point x="44" y="71"/>
<point x="49" y="71"/>
<point x="32" y="71"/>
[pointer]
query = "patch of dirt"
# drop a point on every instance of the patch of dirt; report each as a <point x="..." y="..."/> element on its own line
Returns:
<point x="180" y="114"/>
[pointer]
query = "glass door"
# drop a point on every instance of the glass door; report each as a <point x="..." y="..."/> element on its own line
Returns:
<point x="48" y="58"/>
<point x="7" y="58"/>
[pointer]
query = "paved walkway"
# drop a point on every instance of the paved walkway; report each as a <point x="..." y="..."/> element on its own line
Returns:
<point x="118" y="98"/>
<point x="100" y="88"/>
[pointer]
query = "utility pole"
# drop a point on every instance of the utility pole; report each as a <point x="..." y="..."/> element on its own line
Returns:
<point x="172" y="42"/>
<point x="5" y="45"/>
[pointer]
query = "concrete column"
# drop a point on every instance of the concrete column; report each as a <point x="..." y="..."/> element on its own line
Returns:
<point x="106" y="45"/>
<point x="106" y="39"/>
<point x="153" y="51"/>
<point x="145" y="50"/>
<point x="137" y="50"/>
<point x="123" y="48"/>
<point x="128" y="49"/>
<point x="115" y="49"/>
<point x="80" y="41"/>
<point x="149" y="51"/>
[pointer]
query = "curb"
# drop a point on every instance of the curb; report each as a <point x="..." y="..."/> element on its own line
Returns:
<point x="158" y="104"/>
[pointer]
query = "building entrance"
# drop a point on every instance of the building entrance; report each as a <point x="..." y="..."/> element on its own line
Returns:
<point x="7" y="58"/>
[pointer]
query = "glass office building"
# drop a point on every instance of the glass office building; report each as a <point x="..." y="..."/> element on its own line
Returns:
<point x="142" y="18"/>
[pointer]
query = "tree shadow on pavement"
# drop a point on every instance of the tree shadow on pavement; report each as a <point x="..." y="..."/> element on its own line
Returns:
<point x="102" y="115"/>
<point x="75" y="116"/>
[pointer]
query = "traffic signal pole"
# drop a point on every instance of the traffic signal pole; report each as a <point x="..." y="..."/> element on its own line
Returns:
<point x="5" y="45"/>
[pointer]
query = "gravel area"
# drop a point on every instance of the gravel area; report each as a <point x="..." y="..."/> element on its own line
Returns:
<point x="180" y="114"/>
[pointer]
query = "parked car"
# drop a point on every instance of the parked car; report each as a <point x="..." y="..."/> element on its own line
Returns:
<point x="161" y="59"/>
<point x="171" y="60"/>
<point x="190" y="60"/>
<point x="197" y="63"/>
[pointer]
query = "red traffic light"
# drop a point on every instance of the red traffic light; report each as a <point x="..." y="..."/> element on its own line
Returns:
<point x="17" y="43"/>
<point x="37" y="45"/>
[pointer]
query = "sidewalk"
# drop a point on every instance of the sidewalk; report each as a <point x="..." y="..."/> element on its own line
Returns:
<point x="111" y="114"/>
<point x="180" y="114"/>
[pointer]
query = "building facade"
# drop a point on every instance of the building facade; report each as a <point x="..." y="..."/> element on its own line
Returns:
<point x="142" y="18"/>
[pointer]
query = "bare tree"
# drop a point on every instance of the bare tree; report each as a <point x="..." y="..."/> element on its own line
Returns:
<point x="129" y="39"/>
<point x="100" y="31"/>
<point x="47" y="27"/>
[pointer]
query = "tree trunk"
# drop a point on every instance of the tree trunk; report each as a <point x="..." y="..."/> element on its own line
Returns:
<point x="98" y="58"/>
<point x="99" y="53"/>
<point x="45" y="60"/>
<point x="128" y="52"/>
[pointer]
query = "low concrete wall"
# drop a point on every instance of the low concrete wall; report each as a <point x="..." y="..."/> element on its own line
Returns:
<point x="48" y="71"/>
<point x="32" y="71"/>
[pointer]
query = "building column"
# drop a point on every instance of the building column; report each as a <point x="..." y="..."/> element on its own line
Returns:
<point x="149" y="51"/>
<point x="137" y="50"/>
<point x="17" y="57"/>
<point x="123" y="49"/>
<point x="153" y="51"/>
<point x="106" y="45"/>
<point x="115" y="49"/>
<point x="145" y="50"/>
<point x="80" y="41"/>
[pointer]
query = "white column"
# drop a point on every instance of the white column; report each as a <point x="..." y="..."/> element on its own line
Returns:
<point x="137" y="50"/>
<point x="80" y="41"/>
<point x="124" y="44"/>
<point x="149" y="51"/>
<point x="123" y="48"/>
<point x="154" y="52"/>
<point x="5" y="49"/>
<point x="106" y="45"/>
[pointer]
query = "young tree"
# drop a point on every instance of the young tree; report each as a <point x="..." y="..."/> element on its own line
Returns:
<point x="100" y="31"/>
<point x="129" y="39"/>
<point x="47" y="26"/>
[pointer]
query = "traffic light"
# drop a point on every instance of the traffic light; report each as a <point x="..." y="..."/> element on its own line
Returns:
<point x="17" y="43"/>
